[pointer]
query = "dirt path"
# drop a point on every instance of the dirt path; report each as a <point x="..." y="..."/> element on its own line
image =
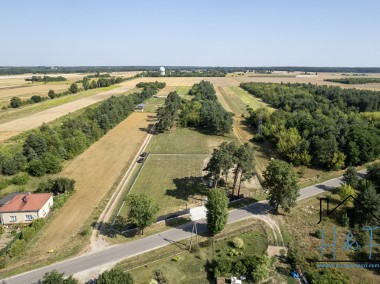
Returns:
<point x="95" y="172"/>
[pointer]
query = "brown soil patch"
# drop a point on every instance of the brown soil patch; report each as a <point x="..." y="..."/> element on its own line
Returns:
<point x="95" y="172"/>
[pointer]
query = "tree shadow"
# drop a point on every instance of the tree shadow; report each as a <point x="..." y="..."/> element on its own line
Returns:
<point x="186" y="187"/>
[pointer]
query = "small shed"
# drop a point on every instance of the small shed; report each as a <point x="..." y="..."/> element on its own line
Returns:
<point x="139" y="107"/>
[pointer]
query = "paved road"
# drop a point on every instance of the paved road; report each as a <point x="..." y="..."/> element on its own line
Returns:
<point x="117" y="253"/>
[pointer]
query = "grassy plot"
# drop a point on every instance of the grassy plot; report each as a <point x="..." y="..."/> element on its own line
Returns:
<point x="185" y="141"/>
<point x="180" y="266"/>
<point x="171" y="180"/>
<point x="248" y="99"/>
<point x="152" y="104"/>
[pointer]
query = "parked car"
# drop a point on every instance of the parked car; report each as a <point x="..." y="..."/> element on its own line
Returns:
<point x="143" y="154"/>
<point x="141" y="160"/>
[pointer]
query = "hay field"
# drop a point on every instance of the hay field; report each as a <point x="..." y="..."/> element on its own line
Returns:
<point x="95" y="172"/>
<point x="34" y="120"/>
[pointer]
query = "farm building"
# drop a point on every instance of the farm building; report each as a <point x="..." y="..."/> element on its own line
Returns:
<point x="139" y="107"/>
<point x="24" y="207"/>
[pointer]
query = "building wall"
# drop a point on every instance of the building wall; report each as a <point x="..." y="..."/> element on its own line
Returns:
<point x="20" y="216"/>
<point x="44" y="211"/>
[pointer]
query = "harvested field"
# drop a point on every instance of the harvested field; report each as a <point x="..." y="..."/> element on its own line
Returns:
<point x="95" y="172"/>
<point x="35" y="120"/>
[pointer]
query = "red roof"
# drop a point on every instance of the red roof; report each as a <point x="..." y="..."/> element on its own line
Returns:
<point x="31" y="202"/>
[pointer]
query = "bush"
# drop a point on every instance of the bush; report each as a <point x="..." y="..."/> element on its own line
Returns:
<point x="73" y="88"/>
<point x="2" y="230"/>
<point x="15" y="102"/>
<point x="37" y="224"/>
<point x="159" y="277"/>
<point x="36" y="99"/>
<point x="36" y="168"/>
<point x="20" y="179"/>
<point x="4" y="183"/>
<point x="51" y="94"/>
<point x="222" y="267"/>
<point x="17" y="248"/>
<point x="28" y="233"/>
<point x="52" y="164"/>
<point x="318" y="234"/>
<point x="115" y="275"/>
<point x="84" y="232"/>
<point x="238" y="243"/>
<point x="59" y="200"/>
<point x="206" y="243"/>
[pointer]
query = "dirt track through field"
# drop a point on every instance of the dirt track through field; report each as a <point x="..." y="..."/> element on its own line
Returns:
<point x="95" y="172"/>
<point x="16" y="126"/>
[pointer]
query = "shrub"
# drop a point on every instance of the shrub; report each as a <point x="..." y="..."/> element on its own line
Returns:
<point x="318" y="234"/>
<point x="36" y="168"/>
<point x="51" y="94"/>
<point x="115" y="276"/>
<point x="2" y="230"/>
<point x="37" y="224"/>
<point x="238" y="242"/>
<point x="159" y="277"/>
<point x="15" y="102"/>
<point x="206" y="243"/>
<point x="28" y="233"/>
<point x="20" y="179"/>
<point x="36" y="99"/>
<point x="4" y="183"/>
<point x="17" y="248"/>
<point x="84" y="232"/>
<point x="59" y="200"/>
<point x="222" y="267"/>
<point x="52" y="164"/>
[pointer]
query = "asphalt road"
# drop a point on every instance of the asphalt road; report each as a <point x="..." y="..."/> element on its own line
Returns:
<point x="117" y="253"/>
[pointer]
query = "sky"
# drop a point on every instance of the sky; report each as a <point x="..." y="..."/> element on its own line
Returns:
<point x="190" y="33"/>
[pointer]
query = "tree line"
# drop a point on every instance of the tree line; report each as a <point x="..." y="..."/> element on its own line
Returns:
<point x="184" y="73"/>
<point x="354" y="80"/>
<point x="44" y="149"/>
<point x="86" y="82"/>
<point x="45" y="79"/>
<point x="317" y="125"/>
<point x="203" y="112"/>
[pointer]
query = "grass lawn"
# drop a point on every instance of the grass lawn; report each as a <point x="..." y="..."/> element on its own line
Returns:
<point x="152" y="104"/>
<point x="191" y="267"/>
<point x="182" y="90"/>
<point x="185" y="141"/>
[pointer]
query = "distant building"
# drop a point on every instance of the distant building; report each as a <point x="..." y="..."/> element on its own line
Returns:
<point x="162" y="71"/>
<point x="25" y="207"/>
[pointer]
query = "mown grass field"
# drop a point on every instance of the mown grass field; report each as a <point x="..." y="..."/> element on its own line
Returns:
<point x="185" y="141"/>
<point x="190" y="267"/>
<point x="171" y="180"/>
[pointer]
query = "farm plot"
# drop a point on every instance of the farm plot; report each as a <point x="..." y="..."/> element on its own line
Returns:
<point x="171" y="180"/>
<point x="34" y="115"/>
<point x="95" y="172"/>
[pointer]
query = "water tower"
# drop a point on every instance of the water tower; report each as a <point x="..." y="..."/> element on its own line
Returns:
<point x="162" y="71"/>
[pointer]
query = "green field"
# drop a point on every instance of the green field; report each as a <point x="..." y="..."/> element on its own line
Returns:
<point x="248" y="99"/>
<point x="171" y="180"/>
<point x="185" y="141"/>
<point x="190" y="267"/>
<point x="182" y="90"/>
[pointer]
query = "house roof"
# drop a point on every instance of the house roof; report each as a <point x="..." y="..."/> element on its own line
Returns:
<point x="7" y="198"/>
<point x="26" y="202"/>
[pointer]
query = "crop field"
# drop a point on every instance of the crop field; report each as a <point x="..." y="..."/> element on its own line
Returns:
<point x="95" y="172"/>
<point x="33" y="116"/>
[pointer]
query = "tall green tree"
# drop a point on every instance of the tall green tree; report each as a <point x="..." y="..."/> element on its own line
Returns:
<point x="73" y="88"/>
<point x="217" y="210"/>
<point x="115" y="276"/>
<point x="142" y="210"/>
<point x="281" y="181"/>
<point x="243" y="158"/>
<point x="351" y="177"/>
<point x="371" y="200"/>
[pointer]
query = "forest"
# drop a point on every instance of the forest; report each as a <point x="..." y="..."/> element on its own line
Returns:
<point x="354" y="80"/>
<point x="184" y="73"/>
<point x="318" y="125"/>
<point x="203" y="112"/>
<point x="44" y="149"/>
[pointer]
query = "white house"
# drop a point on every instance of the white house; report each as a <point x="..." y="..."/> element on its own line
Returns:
<point x="24" y="207"/>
